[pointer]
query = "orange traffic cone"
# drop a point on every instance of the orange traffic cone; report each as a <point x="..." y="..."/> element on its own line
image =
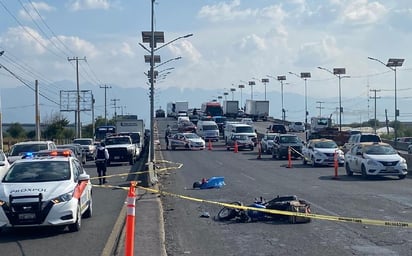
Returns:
<point x="235" y="149"/>
<point x="210" y="145"/>
<point x="259" y="150"/>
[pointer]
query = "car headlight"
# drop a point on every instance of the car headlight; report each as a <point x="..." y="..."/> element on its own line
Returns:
<point x="402" y="161"/>
<point x="63" y="198"/>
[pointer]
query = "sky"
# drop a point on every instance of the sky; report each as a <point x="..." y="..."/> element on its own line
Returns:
<point x="234" y="42"/>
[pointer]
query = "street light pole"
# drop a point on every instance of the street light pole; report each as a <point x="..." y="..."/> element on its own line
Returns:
<point x="232" y="90"/>
<point x="265" y="81"/>
<point x="154" y="37"/>
<point x="338" y="72"/>
<point x="281" y="79"/>
<point x="392" y="64"/>
<point x="304" y="76"/>
<point x="251" y="84"/>
<point x="241" y="86"/>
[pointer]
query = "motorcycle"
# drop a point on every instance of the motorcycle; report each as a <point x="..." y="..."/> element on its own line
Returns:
<point x="281" y="203"/>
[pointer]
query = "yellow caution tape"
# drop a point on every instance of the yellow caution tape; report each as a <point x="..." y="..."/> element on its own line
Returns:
<point x="364" y="221"/>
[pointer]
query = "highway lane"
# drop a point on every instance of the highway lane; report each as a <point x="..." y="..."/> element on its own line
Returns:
<point x="90" y="240"/>
<point x="246" y="177"/>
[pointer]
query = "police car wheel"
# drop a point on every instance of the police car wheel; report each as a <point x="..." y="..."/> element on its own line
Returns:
<point x="78" y="224"/>
<point x="89" y="212"/>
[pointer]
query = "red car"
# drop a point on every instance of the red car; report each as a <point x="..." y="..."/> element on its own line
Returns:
<point x="186" y="127"/>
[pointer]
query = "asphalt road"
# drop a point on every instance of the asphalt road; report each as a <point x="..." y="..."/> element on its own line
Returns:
<point x="246" y="177"/>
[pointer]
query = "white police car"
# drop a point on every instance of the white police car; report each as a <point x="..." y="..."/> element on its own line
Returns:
<point x="45" y="191"/>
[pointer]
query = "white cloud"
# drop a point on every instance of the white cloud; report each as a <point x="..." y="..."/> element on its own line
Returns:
<point x="187" y="50"/>
<point x="77" y="5"/>
<point x="25" y="39"/>
<point x="225" y="11"/>
<point x="274" y="12"/>
<point x="29" y="12"/>
<point x="80" y="46"/>
<point x="252" y="42"/>
<point x="315" y="53"/>
<point x="127" y="49"/>
<point x="361" y="12"/>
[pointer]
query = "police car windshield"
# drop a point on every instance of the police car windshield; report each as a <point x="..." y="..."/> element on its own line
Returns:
<point x="38" y="171"/>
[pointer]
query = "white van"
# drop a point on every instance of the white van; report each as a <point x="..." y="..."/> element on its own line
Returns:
<point x="208" y="130"/>
<point x="239" y="128"/>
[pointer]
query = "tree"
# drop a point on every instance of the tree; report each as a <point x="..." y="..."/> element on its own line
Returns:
<point x="16" y="131"/>
<point x="56" y="127"/>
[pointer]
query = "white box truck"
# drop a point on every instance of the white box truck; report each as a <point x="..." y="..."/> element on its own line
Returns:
<point x="176" y="107"/>
<point x="230" y="108"/>
<point x="257" y="109"/>
<point x="129" y="124"/>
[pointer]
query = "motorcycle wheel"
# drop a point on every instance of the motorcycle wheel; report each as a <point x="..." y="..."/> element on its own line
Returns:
<point x="227" y="213"/>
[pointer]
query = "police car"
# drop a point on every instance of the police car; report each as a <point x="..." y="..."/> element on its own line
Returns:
<point x="45" y="191"/>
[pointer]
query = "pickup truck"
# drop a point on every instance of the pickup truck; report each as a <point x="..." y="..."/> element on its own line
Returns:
<point x="281" y="145"/>
<point x="121" y="149"/>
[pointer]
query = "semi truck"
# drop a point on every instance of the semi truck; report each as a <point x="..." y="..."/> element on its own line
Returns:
<point x="257" y="109"/>
<point x="321" y="127"/>
<point x="230" y="108"/>
<point x="212" y="108"/>
<point x="176" y="107"/>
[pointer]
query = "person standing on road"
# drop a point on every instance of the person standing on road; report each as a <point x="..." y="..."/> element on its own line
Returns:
<point x="102" y="156"/>
<point x="167" y="134"/>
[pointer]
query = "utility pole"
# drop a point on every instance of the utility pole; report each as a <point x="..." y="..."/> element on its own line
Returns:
<point x="105" y="87"/>
<point x="78" y="126"/>
<point x="374" y="97"/>
<point x="320" y="107"/>
<point x="37" y="114"/>
<point x="93" y="121"/>
<point x="115" y="107"/>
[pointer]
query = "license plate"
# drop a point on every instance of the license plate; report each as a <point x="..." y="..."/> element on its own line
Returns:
<point x="390" y="169"/>
<point x="116" y="157"/>
<point x="27" y="216"/>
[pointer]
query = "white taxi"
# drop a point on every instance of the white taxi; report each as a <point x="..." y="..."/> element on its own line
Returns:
<point x="45" y="191"/>
<point x="322" y="152"/>
<point x="375" y="159"/>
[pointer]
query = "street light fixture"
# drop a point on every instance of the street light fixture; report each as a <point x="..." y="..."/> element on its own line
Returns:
<point x="338" y="72"/>
<point x="172" y="59"/>
<point x="392" y="64"/>
<point x="304" y="76"/>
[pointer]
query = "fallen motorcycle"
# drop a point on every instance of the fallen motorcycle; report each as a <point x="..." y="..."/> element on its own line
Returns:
<point x="281" y="203"/>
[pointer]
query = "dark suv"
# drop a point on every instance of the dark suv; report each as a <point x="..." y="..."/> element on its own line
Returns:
<point x="281" y="145"/>
<point x="277" y="128"/>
